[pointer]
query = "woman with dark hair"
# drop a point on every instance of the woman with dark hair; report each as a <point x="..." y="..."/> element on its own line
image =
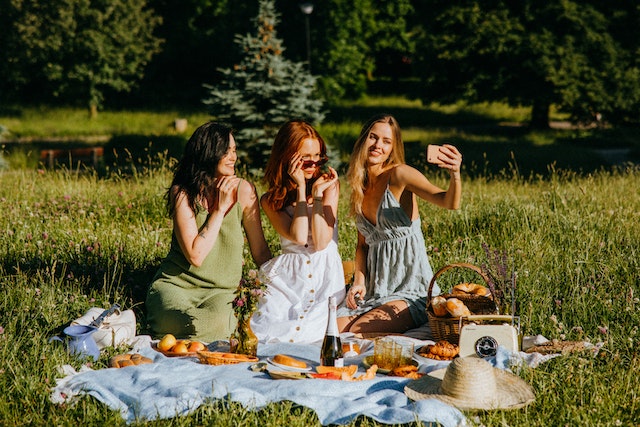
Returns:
<point x="392" y="273"/>
<point x="191" y="294"/>
<point x="302" y="204"/>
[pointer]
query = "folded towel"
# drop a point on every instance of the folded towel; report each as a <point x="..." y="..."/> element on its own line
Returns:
<point x="177" y="386"/>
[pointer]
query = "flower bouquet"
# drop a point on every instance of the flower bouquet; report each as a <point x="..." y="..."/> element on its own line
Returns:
<point x="245" y="302"/>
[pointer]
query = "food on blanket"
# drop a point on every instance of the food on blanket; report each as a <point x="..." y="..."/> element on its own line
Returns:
<point x="369" y="375"/>
<point x="123" y="360"/>
<point x="327" y="375"/>
<point x="406" y="371"/>
<point x="456" y="308"/>
<point x="283" y="359"/>
<point x="167" y="342"/>
<point x="442" y="350"/>
<point x="220" y="358"/>
<point x="351" y="369"/>
<point x="439" y="305"/>
<point x="471" y="289"/>
<point x="196" y="346"/>
<point x="180" y="348"/>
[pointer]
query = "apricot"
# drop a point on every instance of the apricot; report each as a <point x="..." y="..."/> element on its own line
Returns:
<point x="167" y="342"/>
<point x="180" y="348"/>
<point x="196" y="346"/>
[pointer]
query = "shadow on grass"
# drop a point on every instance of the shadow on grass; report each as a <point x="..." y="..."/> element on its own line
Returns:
<point x="126" y="283"/>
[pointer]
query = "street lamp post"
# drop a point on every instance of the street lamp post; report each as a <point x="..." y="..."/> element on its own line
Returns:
<point x="307" y="8"/>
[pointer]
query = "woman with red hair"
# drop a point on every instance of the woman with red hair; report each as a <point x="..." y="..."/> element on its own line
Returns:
<point x="302" y="204"/>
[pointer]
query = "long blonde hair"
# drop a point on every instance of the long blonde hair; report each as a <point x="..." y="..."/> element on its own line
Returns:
<point x="357" y="175"/>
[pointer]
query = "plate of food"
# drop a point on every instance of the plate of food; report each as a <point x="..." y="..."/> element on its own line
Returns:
<point x="368" y="362"/>
<point x="289" y="363"/>
<point x="223" y="358"/>
<point x="287" y="375"/>
<point x="172" y="347"/>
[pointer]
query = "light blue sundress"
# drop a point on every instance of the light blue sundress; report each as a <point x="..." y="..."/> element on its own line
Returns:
<point x="397" y="264"/>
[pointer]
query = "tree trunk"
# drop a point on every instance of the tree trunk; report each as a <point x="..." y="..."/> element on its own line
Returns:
<point x="540" y="114"/>
<point x="93" y="111"/>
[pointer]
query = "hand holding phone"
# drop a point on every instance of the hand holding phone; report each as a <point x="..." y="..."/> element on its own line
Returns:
<point x="432" y="153"/>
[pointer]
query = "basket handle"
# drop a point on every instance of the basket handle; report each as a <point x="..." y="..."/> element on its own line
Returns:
<point x="449" y="267"/>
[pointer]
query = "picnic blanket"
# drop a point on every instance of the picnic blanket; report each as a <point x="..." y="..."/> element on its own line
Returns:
<point x="177" y="386"/>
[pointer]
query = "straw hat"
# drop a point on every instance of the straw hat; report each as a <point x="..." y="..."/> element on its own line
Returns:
<point x="472" y="383"/>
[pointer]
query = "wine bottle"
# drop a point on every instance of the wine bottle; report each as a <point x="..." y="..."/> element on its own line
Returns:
<point x="331" y="353"/>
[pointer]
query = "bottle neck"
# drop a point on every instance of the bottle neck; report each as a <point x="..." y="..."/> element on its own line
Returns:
<point x="332" y="323"/>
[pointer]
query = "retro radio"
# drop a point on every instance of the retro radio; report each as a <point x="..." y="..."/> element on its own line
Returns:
<point x="481" y="335"/>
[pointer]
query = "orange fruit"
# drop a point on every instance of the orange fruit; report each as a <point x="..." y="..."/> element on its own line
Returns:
<point x="196" y="346"/>
<point x="179" y="348"/>
<point x="350" y="369"/>
<point x="166" y="342"/>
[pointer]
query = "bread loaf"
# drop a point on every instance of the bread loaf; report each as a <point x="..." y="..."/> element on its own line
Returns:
<point x="456" y="308"/>
<point x="283" y="359"/>
<point x="123" y="360"/>
<point x="439" y="305"/>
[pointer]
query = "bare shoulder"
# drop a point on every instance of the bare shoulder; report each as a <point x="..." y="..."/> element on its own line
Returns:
<point x="246" y="192"/>
<point x="404" y="174"/>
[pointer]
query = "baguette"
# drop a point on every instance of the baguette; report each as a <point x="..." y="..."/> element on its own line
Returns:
<point x="283" y="359"/>
<point x="439" y="305"/>
<point x="456" y="308"/>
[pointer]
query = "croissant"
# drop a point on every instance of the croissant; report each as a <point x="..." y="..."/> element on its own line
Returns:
<point x="442" y="350"/>
<point x="470" y="289"/>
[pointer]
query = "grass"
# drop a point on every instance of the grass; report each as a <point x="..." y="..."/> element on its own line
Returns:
<point x="71" y="240"/>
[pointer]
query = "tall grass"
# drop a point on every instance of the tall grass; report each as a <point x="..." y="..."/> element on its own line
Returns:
<point x="70" y="241"/>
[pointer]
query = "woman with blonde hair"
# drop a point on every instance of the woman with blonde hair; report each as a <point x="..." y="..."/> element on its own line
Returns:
<point x="392" y="271"/>
<point x="301" y="203"/>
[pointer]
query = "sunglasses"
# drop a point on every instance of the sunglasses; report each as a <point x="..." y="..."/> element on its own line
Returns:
<point x="310" y="163"/>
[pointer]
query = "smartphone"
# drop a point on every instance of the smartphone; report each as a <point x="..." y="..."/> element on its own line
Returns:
<point x="432" y="154"/>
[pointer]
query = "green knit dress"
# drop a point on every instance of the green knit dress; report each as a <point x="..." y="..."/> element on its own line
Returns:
<point x="195" y="302"/>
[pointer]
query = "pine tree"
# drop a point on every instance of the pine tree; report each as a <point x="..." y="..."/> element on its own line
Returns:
<point x="263" y="91"/>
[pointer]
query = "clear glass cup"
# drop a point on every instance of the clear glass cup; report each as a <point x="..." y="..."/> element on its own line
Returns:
<point x="386" y="353"/>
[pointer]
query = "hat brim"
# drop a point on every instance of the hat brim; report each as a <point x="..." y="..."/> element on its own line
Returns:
<point x="512" y="392"/>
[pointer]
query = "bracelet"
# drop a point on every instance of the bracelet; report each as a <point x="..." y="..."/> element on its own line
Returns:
<point x="318" y="199"/>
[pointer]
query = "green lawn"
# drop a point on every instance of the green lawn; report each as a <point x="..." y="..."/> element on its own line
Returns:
<point x="72" y="240"/>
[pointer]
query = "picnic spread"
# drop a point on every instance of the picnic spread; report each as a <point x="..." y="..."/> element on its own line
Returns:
<point x="175" y="386"/>
<point x="455" y="362"/>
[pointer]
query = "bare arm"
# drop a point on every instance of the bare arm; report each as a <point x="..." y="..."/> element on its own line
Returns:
<point x="326" y="191"/>
<point x="197" y="243"/>
<point x="248" y="198"/>
<point x="414" y="181"/>
<point x="359" y="286"/>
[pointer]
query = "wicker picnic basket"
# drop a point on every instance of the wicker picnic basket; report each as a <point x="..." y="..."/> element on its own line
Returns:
<point x="448" y="328"/>
<point x="220" y="358"/>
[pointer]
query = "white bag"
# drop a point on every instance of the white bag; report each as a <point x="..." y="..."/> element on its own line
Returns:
<point x="115" y="330"/>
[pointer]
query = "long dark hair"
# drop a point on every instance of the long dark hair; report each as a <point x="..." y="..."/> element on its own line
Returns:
<point x="282" y="188"/>
<point x="195" y="171"/>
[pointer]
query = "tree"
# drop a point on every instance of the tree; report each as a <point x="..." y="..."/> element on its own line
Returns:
<point x="264" y="90"/>
<point x="526" y="53"/>
<point x="82" y="48"/>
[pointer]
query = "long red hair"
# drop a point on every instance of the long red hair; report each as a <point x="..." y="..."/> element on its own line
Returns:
<point x="281" y="187"/>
